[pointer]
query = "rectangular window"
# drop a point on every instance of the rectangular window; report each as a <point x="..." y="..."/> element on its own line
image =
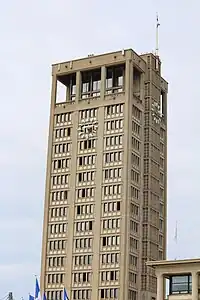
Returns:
<point x="115" y="140"/>
<point x="86" y="160"/>
<point x="134" y="227"/>
<point x="88" y="114"/>
<point x="134" y="210"/>
<point x="115" y="79"/>
<point x="135" y="176"/>
<point x="111" y="224"/>
<point x="113" y="157"/>
<point x="58" y="228"/>
<point x="83" y="294"/>
<point x="82" y="260"/>
<point x="112" y="190"/>
<point x="108" y="241"/>
<point x="61" y="119"/>
<point x="114" y="125"/>
<point x="133" y="260"/>
<point x="135" y="160"/>
<point x="84" y="209"/>
<point x="85" y="193"/>
<point x="62" y="148"/>
<point x="136" y="144"/>
<point x="91" y="83"/>
<point x="61" y="195"/>
<point x="58" y="212"/>
<point x="114" y="110"/>
<point x="83" y="243"/>
<point x="60" y="164"/>
<point x="180" y="284"/>
<point x="83" y="277"/>
<point x="112" y="173"/>
<point x="110" y="258"/>
<point x="136" y="113"/>
<point x="136" y="128"/>
<point x="109" y="293"/>
<point x="135" y="193"/>
<point x="56" y="261"/>
<point x="66" y="88"/>
<point x="87" y="144"/>
<point x="60" y="180"/>
<point x="56" y="245"/>
<point x="134" y="243"/>
<point x="83" y="226"/>
<point x="111" y="207"/>
<point x="85" y="177"/>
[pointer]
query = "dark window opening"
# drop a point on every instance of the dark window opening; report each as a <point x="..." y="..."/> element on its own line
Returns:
<point x="180" y="284"/>
<point x="83" y="193"/>
<point x="91" y="84"/>
<point x="65" y="195"/>
<point x="88" y="144"/>
<point x="80" y="161"/>
<point x="84" y="277"/>
<point x="102" y="294"/>
<point x="118" y="206"/>
<point x="136" y="82"/>
<point x="90" y="225"/>
<point x="68" y="131"/>
<point x="59" y="164"/>
<point x="104" y="241"/>
<point x="115" y="79"/>
<point x="66" y="88"/>
<point x="162" y="104"/>
<point x="111" y="275"/>
<point x="79" y="177"/>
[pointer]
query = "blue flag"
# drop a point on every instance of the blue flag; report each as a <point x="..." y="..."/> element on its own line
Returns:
<point x="44" y="297"/>
<point x="37" y="289"/>
<point x="65" y="296"/>
<point x="31" y="297"/>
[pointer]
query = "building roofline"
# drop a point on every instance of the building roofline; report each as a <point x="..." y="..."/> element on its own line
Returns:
<point x="172" y="262"/>
<point x="98" y="55"/>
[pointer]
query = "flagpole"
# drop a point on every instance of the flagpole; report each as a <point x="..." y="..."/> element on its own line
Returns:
<point x="37" y="288"/>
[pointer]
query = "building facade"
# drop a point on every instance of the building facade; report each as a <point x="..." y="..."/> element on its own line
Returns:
<point x="181" y="277"/>
<point x="105" y="200"/>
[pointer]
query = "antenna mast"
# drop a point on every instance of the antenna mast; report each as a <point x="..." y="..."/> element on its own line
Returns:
<point x="157" y="37"/>
<point x="176" y="237"/>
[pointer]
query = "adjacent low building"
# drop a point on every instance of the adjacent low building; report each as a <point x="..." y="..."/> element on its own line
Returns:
<point x="181" y="277"/>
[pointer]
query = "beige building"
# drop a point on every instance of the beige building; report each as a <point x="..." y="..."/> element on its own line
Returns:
<point x="182" y="276"/>
<point x="105" y="201"/>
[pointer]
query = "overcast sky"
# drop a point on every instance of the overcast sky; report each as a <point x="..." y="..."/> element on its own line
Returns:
<point x="35" y="34"/>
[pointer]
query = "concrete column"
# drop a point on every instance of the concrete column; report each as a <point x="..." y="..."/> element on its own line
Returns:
<point x="78" y="86"/>
<point x="71" y="203"/>
<point x="124" y="241"/>
<point x="160" y="287"/>
<point x="142" y="87"/>
<point x="103" y="82"/>
<point x="47" y="186"/>
<point x="195" y="286"/>
<point x="97" y="209"/>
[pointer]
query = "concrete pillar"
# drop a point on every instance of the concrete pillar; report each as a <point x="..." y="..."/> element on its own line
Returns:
<point x="103" y="82"/>
<point x="142" y="87"/>
<point x="78" y="86"/>
<point x="160" y="287"/>
<point x="194" y="286"/>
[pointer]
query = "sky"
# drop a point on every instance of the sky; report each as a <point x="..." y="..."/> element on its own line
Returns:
<point x="35" y="34"/>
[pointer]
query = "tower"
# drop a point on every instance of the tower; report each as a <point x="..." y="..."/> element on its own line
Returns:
<point x="105" y="199"/>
